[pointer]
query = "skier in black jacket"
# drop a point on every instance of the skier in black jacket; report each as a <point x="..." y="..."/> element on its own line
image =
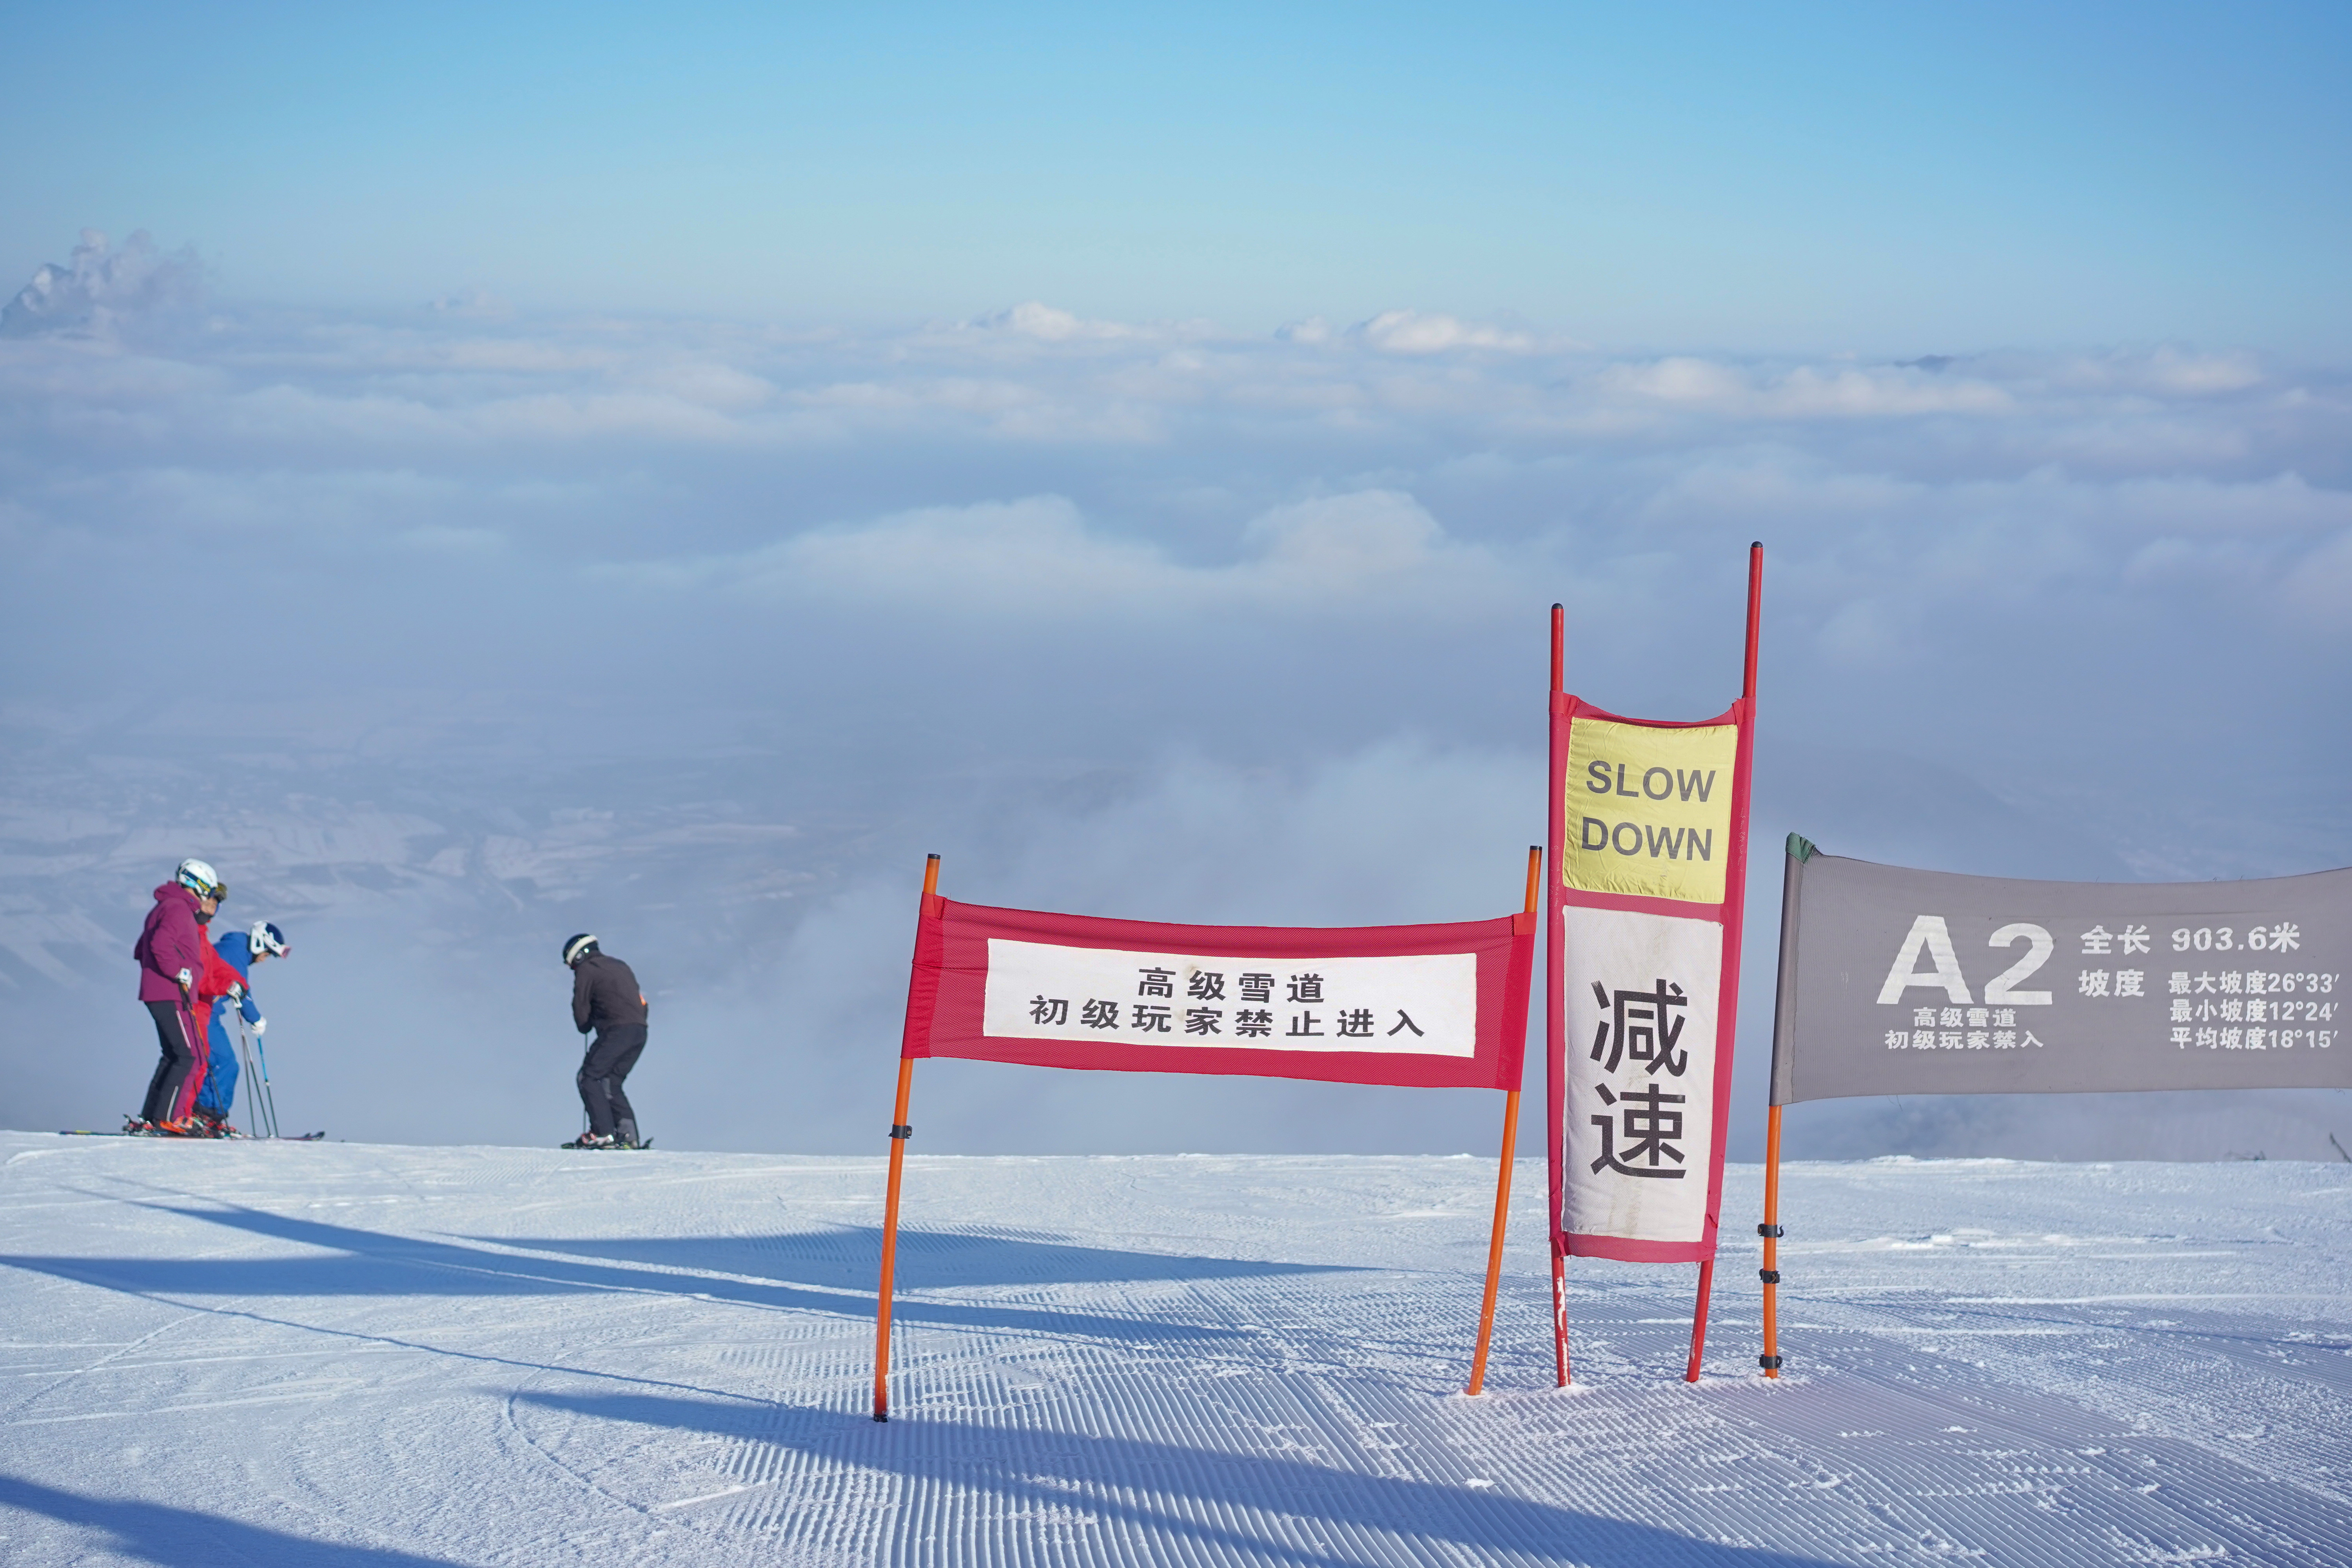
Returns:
<point x="605" y="998"/>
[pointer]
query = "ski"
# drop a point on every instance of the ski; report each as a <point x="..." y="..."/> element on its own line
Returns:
<point x="186" y="1137"/>
<point x="181" y="1137"/>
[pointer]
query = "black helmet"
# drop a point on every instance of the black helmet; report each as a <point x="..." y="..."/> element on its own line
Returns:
<point x="578" y="948"/>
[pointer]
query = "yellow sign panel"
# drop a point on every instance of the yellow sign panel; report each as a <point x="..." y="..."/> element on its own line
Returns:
<point x="1649" y="811"/>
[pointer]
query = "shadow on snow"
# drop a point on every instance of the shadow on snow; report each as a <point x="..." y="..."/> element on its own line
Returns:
<point x="1208" y="1500"/>
<point x="804" y="1272"/>
<point x="158" y="1533"/>
<point x="847" y="1256"/>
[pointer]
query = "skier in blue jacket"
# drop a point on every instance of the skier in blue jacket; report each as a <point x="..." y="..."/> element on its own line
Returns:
<point x="241" y="951"/>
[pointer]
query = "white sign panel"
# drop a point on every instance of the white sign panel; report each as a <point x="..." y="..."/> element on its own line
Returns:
<point x="1421" y="1005"/>
<point x="1640" y="1121"/>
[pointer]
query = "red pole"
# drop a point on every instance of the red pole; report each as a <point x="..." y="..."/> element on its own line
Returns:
<point x="1748" y="696"/>
<point x="1698" y="1320"/>
<point x="1554" y="1007"/>
<point x="899" y="1133"/>
<point x="1755" y="614"/>
<point x="1502" y="1179"/>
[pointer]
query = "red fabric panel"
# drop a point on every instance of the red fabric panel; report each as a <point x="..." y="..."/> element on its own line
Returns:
<point x="923" y="985"/>
<point x="945" y="1000"/>
<point x="1618" y="1249"/>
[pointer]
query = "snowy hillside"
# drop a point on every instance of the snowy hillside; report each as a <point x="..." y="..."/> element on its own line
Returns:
<point x="355" y="1355"/>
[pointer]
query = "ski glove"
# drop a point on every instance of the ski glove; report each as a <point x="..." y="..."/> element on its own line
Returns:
<point x="187" y="981"/>
<point x="261" y="1027"/>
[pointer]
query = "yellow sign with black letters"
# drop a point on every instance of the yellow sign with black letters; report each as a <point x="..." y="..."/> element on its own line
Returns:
<point x="1649" y="809"/>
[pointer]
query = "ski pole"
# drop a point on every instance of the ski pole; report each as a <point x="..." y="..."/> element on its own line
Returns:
<point x="245" y="1060"/>
<point x="268" y="1090"/>
<point x="269" y="1095"/>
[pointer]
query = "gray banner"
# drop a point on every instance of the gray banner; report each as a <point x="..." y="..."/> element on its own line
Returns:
<point x="1901" y="982"/>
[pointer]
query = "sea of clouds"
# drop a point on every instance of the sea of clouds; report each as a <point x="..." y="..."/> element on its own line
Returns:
<point x="447" y="632"/>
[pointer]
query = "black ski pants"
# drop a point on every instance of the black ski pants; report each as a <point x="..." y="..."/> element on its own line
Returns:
<point x="608" y="1062"/>
<point x="179" y="1059"/>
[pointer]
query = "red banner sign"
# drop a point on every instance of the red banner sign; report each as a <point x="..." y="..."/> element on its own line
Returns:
<point x="1431" y="1006"/>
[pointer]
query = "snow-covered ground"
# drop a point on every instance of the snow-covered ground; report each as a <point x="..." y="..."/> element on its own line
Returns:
<point x="347" y="1354"/>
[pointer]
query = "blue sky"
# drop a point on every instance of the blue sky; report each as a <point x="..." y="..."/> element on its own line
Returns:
<point x="661" y="472"/>
<point x="1879" y="178"/>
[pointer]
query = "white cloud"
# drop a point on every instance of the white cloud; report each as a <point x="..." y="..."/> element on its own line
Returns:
<point x="472" y="305"/>
<point x="2157" y="473"/>
<point x="1804" y="392"/>
<point x="1046" y="324"/>
<point x="2167" y="371"/>
<point x="2277" y="504"/>
<point x="713" y="385"/>
<point x="1037" y="560"/>
<point x="1012" y="556"/>
<point x="2319" y="588"/>
<point x="1035" y="322"/>
<point x="1412" y="332"/>
<point x="1336" y="542"/>
<point x="1398" y="831"/>
<point x="101" y="290"/>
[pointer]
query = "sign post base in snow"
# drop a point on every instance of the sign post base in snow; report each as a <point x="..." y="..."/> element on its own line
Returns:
<point x="1431" y="1006"/>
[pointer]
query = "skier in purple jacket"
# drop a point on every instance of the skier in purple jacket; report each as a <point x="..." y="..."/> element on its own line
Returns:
<point x="170" y="957"/>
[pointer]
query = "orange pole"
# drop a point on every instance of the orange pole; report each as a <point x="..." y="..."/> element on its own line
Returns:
<point x="899" y="1133"/>
<point x="1495" y="1247"/>
<point x="1502" y="1179"/>
<point x="890" y="1242"/>
<point x="1560" y="1312"/>
<point x="1770" y="1231"/>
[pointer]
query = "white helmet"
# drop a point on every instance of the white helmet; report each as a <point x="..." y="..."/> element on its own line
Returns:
<point x="266" y="938"/>
<point x="200" y="879"/>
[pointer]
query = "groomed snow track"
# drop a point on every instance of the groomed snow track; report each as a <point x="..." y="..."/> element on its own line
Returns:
<point x="345" y="1356"/>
